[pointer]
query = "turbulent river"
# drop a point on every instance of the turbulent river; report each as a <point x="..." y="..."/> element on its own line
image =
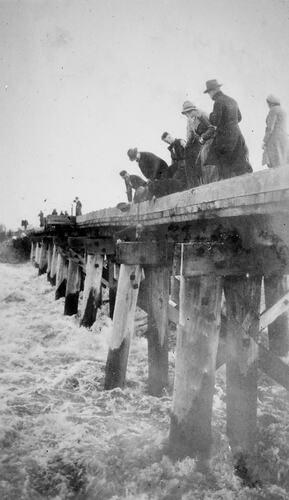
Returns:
<point x="63" y="437"/>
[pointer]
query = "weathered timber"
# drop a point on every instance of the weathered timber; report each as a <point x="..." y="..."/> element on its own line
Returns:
<point x="61" y="276"/>
<point x="72" y="289"/>
<point x="43" y="258"/>
<point x="123" y="324"/>
<point x="263" y="192"/>
<point x="242" y="297"/>
<point x="197" y="343"/>
<point x="155" y="293"/>
<point x="224" y="260"/>
<point x="112" y="287"/>
<point x="49" y="259"/>
<point x="37" y="254"/>
<point x="53" y="265"/>
<point x="275" y="287"/>
<point x="92" y="289"/>
<point x="269" y="315"/>
<point x="152" y="253"/>
<point x="32" y="251"/>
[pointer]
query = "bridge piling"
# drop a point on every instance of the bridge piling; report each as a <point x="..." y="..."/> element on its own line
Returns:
<point x="32" y="252"/>
<point x="242" y="305"/>
<point x="43" y="258"/>
<point x="72" y="288"/>
<point x="61" y="276"/>
<point x="157" y="281"/>
<point x="37" y="255"/>
<point x="92" y="289"/>
<point x="197" y="344"/>
<point x="49" y="260"/>
<point x="53" y="265"/>
<point x="123" y="325"/>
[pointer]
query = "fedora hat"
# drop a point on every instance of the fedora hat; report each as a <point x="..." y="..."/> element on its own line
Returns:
<point x="188" y="106"/>
<point x="132" y="153"/>
<point x="212" y="85"/>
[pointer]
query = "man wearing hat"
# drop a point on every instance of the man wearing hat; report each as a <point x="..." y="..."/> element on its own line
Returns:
<point x="199" y="129"/>
<point x="132" y="182"/>
<point x="151" y="166"/>
<point x="229" y="151"/>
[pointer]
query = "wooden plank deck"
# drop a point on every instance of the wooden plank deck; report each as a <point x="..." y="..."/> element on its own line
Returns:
<point x="263" y="192"/>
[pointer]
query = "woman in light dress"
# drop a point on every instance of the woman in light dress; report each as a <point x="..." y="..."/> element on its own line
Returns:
<point x="275" y="142"/>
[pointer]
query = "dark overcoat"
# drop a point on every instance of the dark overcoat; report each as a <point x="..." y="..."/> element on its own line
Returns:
<point x="229" y="150"/>
<point x="153" y="167"/>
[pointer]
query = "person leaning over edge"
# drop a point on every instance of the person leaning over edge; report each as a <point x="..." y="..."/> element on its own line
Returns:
<point x="151" y="166"/>
<point x="229" y="151"/>
<point x="132" y="182"/>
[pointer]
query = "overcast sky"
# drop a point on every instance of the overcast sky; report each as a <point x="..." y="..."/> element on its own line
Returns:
<point x="81" y="81"/>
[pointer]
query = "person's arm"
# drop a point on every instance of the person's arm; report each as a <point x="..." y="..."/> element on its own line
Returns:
<point x="216" y="115"/>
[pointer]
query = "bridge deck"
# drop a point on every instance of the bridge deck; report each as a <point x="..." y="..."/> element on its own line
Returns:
<point x="264" y="192"/>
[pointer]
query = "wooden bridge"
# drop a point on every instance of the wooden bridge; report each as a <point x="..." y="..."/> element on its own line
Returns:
<point x="197" y="258"/>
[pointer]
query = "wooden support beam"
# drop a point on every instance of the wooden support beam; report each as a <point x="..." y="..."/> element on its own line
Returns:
<point x="151" y="253"/>
<point x="92" y="245"/>
<point x="92" y="289"/>
<point x="61" y="276"/>
<point x="197" y="343"/>
<point x="123" y="324"/>
<point x="275" y="287"/>
<point x="72" y="289"/>
<point x="37" y="254"/>
<point x="49" y="260"/>
<point x="112" y="287"/>
<point x="32" y="252"/>
<point x="43" y="259"/>
<point x="223" y="259"/>
<point x="242" y="297"/>
<point x="53" y="265"/>
<point x="155" y="301"/>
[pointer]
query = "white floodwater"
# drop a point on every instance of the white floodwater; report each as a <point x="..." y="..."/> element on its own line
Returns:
<point x="63" y="437"/>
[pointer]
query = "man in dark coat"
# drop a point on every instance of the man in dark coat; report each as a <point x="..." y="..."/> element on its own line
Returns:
<point x="229" y="151"/>
<point x="151" y="166"/>
<point x="132" y="182"/>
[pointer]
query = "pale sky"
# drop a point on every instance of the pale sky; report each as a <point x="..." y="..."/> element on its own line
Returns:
<point x="81" y="81"/>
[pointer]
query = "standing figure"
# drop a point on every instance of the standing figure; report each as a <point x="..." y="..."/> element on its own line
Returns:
<point x="132" y="182"/>
<point x="78" y="206"/>
<point x="41" y="218"/>
<point x="229" y="151"/>
<point x="275" y="142"/>
<point x="177" y="180"/>
<point x="197" y="125"/>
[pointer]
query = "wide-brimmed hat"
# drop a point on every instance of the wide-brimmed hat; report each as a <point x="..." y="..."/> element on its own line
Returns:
<point x="272" y="99"/>
<point x="212" y="85"/>
<point x="188" y="106"/>
<point x="132" y="153"/>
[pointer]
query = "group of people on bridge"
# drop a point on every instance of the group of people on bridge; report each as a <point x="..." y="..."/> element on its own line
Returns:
<point x="215" y="149"/>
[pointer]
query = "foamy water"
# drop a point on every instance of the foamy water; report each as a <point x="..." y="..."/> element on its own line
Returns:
<point x="63" y="437"/>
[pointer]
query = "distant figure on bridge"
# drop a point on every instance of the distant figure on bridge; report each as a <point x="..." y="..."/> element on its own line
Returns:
<point x="54" y="212"/>
<point x="275" y="142"/>
<point x="229" y="151"/>
<point x="78" y="206"/>
<point x="132" y="182"/>
<point x="198" y="125"/>
<point x="151" y="166"/>
<point x="41" y="218"/>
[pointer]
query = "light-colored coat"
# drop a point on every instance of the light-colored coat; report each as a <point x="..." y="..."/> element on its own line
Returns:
<point x="276" y="144"/>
